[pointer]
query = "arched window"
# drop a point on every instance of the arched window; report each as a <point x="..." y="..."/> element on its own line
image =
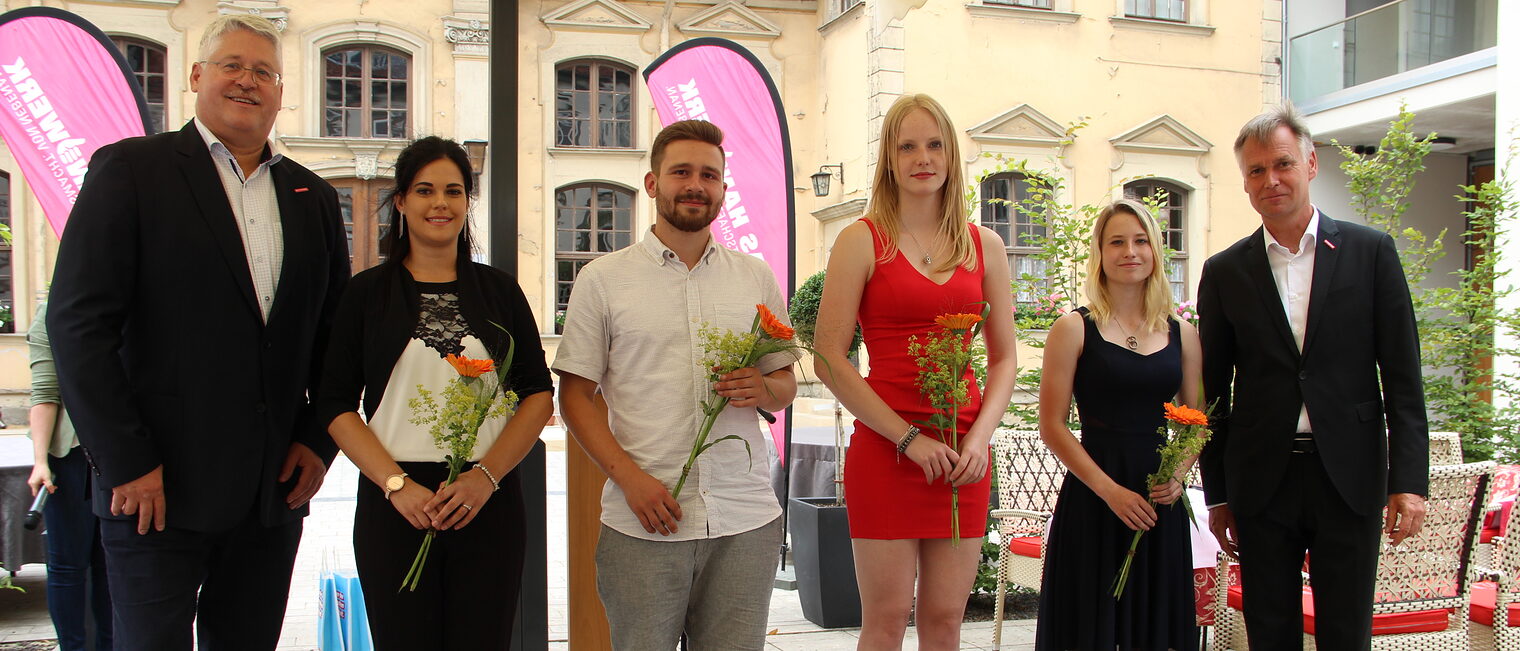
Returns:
<point x="147" y="62"/>
<point x="7" y="307"/>
<point x="1005" y="212"/>
<point x="1171" y="219"/>
<point x="360" y="201"/>
<point x="590" y="220"/>
<point x="364" y="93"/>
<point x="593" y="104"/>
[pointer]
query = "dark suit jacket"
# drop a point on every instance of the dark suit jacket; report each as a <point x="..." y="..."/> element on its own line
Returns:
<point x="162" y="355"/>
<point x="1360" y="328"/>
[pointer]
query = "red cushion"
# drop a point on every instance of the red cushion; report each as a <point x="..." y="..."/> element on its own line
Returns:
<point x="1205" y="579"/>
<point x="1483" y="599"/>
<point x="1383" y="624"/>
<point x="1028" y="546"/>
<point x="1489" y="535"/>
<point x="1389" y="623"/>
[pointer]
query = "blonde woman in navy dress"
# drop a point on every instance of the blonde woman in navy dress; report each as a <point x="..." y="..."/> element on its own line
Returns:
<point x="1122" y="357"/>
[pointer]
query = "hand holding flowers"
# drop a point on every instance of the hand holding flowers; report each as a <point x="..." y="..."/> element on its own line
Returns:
<point x="453" y="417"/>
<point x="446" y="508"/>
<point x="1184" y="434"/>
<point x="732" y="356"/>
<point x="944" y="357"/>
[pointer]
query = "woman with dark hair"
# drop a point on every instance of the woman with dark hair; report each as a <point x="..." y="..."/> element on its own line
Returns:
<point x="394" y="327"/>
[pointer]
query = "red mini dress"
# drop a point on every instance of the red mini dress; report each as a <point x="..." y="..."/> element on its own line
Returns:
<point x="887" y="497"/>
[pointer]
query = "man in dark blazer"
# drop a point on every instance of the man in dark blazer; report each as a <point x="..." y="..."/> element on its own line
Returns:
<point x="191" y="299"/>
<point x="1308" y="326"/>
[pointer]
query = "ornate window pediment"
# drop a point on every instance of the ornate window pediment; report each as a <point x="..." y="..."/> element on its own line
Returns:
<point x="1021" y="125"/>
<point x="600" y="15"/>
<point x="1162" y="134"/>
<point x="730" y="20"/>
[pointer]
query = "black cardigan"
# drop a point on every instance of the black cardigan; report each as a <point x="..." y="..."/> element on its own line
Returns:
<point x="379" y="312"/>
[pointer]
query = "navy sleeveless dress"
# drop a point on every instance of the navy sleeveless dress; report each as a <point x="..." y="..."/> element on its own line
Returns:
<point x="1119" y="396"/>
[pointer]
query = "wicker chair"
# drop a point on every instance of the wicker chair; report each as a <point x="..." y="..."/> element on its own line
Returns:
<point x="1445" y="448"/>
<point x="1493" y="626"/>
<point x="1029" y="480"/>
<point x="1428" y="577"/>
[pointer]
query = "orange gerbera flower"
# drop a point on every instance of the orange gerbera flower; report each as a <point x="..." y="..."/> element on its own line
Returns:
<point x="957" y="322"/>
<point x="772" y="325"/>
<point x="470" y="367"/>
<point x="1185" y="415"/>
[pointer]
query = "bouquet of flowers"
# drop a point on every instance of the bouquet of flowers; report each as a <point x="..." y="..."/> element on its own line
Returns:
<point x="1185" y="432"/>
<point x="726" y="351"/>
<point x="943" y="357"/>
<point x="454" y="418"/>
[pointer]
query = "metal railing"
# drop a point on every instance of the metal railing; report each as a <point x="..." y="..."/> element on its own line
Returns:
<point x="1386" y="41"/>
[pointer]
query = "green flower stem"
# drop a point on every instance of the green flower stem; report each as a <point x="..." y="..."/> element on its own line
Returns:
<point x="711" y="410"/>
<point x="1129" y="559"/>
<point x="955" y="491"/>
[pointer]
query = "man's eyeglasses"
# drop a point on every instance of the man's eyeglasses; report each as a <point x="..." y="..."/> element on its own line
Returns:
<point x="234" y="70"/>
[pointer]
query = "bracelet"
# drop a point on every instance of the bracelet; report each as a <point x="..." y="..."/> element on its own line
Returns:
<point x="495" y="485"/>
<point x="902" y="444"/>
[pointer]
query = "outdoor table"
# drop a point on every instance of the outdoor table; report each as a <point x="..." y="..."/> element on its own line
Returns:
<point x="17" y="545"/>
<point x="1205" y="555"/>
<point x="813" y="460"/>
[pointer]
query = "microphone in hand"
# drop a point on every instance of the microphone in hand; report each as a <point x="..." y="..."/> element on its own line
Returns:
<point x="34" y="514"/>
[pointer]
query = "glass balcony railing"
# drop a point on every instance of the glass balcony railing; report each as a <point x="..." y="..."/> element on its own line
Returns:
<point x="1386" y="41"/>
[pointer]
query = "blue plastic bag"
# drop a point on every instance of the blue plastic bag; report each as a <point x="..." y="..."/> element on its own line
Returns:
<point x="342" y="624"/>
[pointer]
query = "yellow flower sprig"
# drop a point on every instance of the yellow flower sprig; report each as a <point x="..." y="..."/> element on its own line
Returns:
<point x="724" y="352"/>
<point x="943" y="356"/>
<point x="453" y="418"/>
<point x="1183" y="436"/>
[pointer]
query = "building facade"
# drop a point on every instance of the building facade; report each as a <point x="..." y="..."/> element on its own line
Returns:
<point x="1351" y="65"/>
<point x="361" y="81"/>
<point x="1160" y="87"/>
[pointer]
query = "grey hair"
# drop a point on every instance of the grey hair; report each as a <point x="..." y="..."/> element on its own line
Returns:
<point x="1261" y="128"/>
<point x="248" y="22"/>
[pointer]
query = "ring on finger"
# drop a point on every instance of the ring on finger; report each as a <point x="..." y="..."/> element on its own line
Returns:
<point x="467" y="507"/>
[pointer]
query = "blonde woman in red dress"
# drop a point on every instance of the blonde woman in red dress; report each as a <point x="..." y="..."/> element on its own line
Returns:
<point x="914" y="257"/>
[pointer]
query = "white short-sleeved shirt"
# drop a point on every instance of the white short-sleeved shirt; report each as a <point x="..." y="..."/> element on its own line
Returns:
<point x="631" y="327"/>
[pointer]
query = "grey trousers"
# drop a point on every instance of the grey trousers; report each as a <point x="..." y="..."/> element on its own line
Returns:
<point x="718" y="590"/>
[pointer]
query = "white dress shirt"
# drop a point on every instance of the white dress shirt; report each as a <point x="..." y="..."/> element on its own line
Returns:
<point x="257" y="213"/>
<point x="1293" y="273"/>
<point x="631" y="327"/>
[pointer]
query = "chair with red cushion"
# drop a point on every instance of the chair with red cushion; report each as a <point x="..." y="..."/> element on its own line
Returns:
<point x="1496" y="602"/>
<point x="1423" y="585"/>
<point x="1029" y="480"/>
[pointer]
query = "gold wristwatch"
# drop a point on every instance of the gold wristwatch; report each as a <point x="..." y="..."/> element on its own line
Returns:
<point x="394" y="483"/>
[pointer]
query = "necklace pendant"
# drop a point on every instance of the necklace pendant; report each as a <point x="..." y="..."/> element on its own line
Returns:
<point x="1132" y="342"/>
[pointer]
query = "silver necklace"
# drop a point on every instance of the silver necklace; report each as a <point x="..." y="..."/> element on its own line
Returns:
<point x="928" y="261"/>
<point x="1129" y="339"/>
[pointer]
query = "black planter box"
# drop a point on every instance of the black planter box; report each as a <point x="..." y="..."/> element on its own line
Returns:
<point x="824" y="561"/>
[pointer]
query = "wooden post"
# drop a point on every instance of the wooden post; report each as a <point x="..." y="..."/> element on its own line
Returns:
<point x="583" y="501"/>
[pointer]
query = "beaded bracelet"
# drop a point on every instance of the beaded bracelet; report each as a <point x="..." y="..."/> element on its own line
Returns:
<point x="495" y="485"/>
<point x="902" y="444"/>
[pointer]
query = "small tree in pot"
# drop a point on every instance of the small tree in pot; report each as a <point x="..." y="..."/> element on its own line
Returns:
<point x="820" y="531"/>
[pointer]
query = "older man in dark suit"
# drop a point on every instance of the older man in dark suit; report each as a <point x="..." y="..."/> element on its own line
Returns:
<point x="191" y="300"/>
<point x="1307" y="324"/>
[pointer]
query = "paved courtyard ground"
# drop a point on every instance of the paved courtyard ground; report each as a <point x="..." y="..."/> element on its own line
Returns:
<point x="328" y="536"/>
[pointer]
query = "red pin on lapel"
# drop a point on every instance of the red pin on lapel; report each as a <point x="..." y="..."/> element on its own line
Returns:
<point x="305" y="189"/>
<point x="1327" y="242"/>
